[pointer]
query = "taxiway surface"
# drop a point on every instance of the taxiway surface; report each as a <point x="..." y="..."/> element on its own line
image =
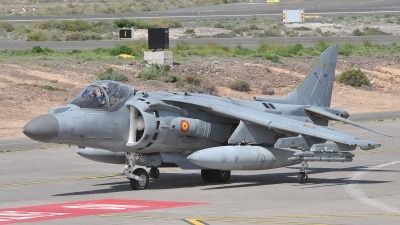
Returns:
<point x="365" y="191"/>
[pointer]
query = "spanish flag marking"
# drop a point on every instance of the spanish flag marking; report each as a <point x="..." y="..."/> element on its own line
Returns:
<point x="184" y="125"/>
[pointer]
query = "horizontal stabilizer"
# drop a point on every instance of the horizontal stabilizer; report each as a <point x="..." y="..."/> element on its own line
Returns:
<point x="325" y="113"/>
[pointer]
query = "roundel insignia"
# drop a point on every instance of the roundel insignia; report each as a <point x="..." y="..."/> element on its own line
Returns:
<point x="184" y="125"/>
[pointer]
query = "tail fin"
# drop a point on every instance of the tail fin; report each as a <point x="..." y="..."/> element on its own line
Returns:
<point x="316" y="88"/>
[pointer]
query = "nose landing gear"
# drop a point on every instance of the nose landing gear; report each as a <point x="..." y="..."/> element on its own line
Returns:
<point x="138" y="178"/>
<point x="142" y="182"/>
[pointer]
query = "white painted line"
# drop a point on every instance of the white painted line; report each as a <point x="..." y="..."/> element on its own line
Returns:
<point x="352" y="188"/>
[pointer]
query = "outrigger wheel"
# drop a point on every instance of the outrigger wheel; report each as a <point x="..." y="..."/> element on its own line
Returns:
<point x="302" y="178"/>
<point x="143" y="183"/>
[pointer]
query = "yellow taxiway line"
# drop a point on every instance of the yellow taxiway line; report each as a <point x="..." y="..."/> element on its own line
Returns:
<point x="59" y="180"/>
<point x="76" y="179"/>
<point x="258" y="220"/>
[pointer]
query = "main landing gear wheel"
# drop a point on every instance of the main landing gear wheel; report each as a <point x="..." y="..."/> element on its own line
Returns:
<point x="154" y="172"/>
<point x="219" y="176"/>
<point x="207" y="176"/>
<point x="140" y="185"/>
<point x="302" y="178"/>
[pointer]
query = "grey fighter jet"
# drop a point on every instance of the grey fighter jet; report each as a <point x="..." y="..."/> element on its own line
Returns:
<point x="113" y="123"/>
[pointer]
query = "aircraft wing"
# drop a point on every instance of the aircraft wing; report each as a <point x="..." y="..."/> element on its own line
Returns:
<point x="276" y="122"/>
<point x="325" y="113"/>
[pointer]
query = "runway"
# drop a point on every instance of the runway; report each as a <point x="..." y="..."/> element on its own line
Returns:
<point x="365" y="191"/>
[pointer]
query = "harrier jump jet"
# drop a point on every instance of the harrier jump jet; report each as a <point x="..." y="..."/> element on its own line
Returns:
<point x="113" y="123"/>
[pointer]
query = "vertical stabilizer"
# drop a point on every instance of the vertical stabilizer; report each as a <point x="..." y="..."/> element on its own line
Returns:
<point x="316" y="88"/>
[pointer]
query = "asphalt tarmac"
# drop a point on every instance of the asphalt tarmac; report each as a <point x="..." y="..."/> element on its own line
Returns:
<point x="365" y="191"/>
<point x="258" y="8"/>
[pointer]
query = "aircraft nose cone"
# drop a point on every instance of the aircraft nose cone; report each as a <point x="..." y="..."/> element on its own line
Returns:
<point x="43" y="128"/>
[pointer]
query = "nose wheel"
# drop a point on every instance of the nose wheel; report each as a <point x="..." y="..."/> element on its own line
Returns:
<point x="302" y="178"/>
<point x="142" y="181"/>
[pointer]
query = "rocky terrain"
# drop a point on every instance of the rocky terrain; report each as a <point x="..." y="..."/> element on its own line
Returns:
<point x="22" y="97"/>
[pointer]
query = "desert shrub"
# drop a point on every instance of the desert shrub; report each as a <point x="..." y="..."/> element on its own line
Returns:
<point x="192" y="79"/>
<point x="370" y="31"/>
<point x="93" y="36"/>
<point x="291" y="50"/>
<point x="291" y="33"/>
<point x="237" y="30"/>
<point x="170" y="78"/>
<point x="224" y="35"/>
<point x="366" y="87"/>
<point x="7" y="26"/>
<point x="357" y="32"/>
<point x="107" y="10"/>
<point x="354" y="78"/>
<point x="266" y="89"/>
<point x="270" y="33"/>
<point x="75" y="36"/>
<point x="239" y="85"/>
<point x="218" y="25"/>
<point x="77" y="25"/>
<point x="239" y="50"/>
<point x="37" y="35"/>
<point x="138" y="47"/>
<point x="120" y="49"/>
<point x="51" y="88"/>
<point x="120" y="23"/>
<point x="155" y="72"/>
<point x="190" y="84"/>
<point x="111" y="74"/>
<point x="322" y="45"/>
<point x="190" y="32"/>
<point x="48" y="87"/>
<point x="164" y="22"/>
<point x="38" y="49"/>
<point x="208" y="87"/>
<point x="136" y="23"/>
<point x="48" y="24"/>
<point x="55" y="35"/>
<point x="348" y="49"/>
<point x="302" y="28"/>
<point x="367" y="43"/>
<point x="272" y="57"/>
<point x="66" y="25"/>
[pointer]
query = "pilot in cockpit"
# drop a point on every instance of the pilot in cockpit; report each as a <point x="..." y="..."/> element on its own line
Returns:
<point x="102" y="95"/>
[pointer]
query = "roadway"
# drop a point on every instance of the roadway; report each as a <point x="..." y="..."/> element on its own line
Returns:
<point x="364" y="191"/>
<point x="242" y="10"/>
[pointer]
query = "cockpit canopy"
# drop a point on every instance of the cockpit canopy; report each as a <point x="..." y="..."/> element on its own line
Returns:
<point x="104" y="94"/>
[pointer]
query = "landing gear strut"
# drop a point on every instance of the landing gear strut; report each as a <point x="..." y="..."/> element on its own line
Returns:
<point x="219" y="176"/>
<point x="302" y="178"/>
<point x="139" y="178"/>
